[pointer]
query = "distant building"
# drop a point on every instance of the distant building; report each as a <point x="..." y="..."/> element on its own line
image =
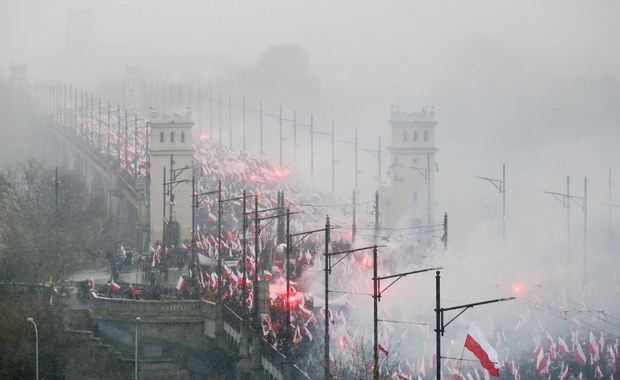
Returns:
<point x="170" y="150"/>
<point x="409" y="199"/>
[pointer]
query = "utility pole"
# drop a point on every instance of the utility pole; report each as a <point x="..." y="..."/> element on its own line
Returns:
<point x="311" y="148"/>
<point x="211" y="115"/>
<point x="244" y="149"/>
<point x="444" y="238"/>
<point x="376" y="216"/>
<point x="610" y="205"/>
<point x="280" y="125"/>
<point x="500" y="184"/>
<point x="565" y="199"/>
<point x="377" y="292"/>
<point x="353" y="223"/>
<point x="199" y="111"/>
<point x="230" y="139"/>
<point x="219" y="102"/>
<point x="118" y="135"/>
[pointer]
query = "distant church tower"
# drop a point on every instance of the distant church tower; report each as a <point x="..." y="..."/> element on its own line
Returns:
<point x="170" y="147"/>
<point x="409" y="200"/>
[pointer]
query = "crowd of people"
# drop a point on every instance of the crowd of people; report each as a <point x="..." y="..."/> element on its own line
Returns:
<point x="243" y="263"/>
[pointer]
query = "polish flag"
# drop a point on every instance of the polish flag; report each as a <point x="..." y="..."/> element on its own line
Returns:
<point x="422" y="370"/>
<point x="181" y="284"/>
<point x="564" y="372"/>
<point x="549" y="340"/>
<point x="541" y="362"/>
<point x="383" y="349"/>
<point x="454" y="374"/>
<point x="598" y="374"/>
<point x="593" y="346"/>
<point x="114" y="286"/>
<point x="601" y="343"/>
<point x="579" y="355"/>
<point x="562" y="346"/>
<point x="611" y="355"/>
<point x="477" y="343"/>
<point x="537" y="350"/>
<point x="305" y="312"/>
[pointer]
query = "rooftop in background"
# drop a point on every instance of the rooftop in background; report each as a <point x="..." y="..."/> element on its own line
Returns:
<point x="426" y="115"/>
<point x="172" y="118"/>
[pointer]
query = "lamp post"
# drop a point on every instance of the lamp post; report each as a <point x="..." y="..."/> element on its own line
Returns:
<point x="257" y="231"/>
<point x="136" y="350"/>
<point x="195" y="202"/>
<point x="500" y="184"/>
<point x="36" y="334"/>
<point x="328" y="269"/>
<point x="220" y="203"/>
<point x="439" y="317"/>
<point x="377" y="292"/>
<point x="426" y="174"/>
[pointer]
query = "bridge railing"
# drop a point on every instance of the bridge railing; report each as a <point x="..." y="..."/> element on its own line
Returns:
<point x="116" y="308"/>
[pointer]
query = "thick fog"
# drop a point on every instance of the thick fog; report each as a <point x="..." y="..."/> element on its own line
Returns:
<point x="529" y="84"/>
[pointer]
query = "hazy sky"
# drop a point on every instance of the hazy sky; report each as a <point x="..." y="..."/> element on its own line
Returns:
<point x="533" y="84"/>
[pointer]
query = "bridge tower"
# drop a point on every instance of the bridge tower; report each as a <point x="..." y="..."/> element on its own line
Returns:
<point x="409" y="199"/>
<point x="171" y="150"/>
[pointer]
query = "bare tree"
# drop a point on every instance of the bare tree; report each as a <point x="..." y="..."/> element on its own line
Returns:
<point x="48" y="223"/>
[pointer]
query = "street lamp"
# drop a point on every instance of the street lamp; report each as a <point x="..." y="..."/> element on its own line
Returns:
<point x="377" y="292"/>
<point x="136" y="350"/>
<point x="257" y="231"/>
<point x="500" y="184"/>
<point x="36" y="334"/>
<point x="426" y="174"/>
<point x="440" y="328"/>
<point x="328" y="269"/>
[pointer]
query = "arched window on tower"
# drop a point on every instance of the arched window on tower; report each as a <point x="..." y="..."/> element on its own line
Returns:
<point x="171" y="137"/>
<point x="415" y="135"/>
<point x="161" y="137"/>
<point x="182" y="137"/>
<point x="425" y="135"/>
<point x="405" y="135"/>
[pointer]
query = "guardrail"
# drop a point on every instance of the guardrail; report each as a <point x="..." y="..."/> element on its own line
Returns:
<point x="117" y="308"/>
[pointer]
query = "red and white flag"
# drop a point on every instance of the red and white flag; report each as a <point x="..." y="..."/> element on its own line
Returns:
<point x="562" y="346"/>
<point x="564" y="372"/>
<point x="541" y="362"/>
<point x="454" y="374"/>
<point x="181" y="284"/>
<point x="479" y="346"/>
<point x="598" y="374"/>
<point x="422" y="370"/>
<point x="114" y="286"/>
<point x="580" y="356"/>
<point x="383" y="349"/>
<point x="549" y="340"/>
<point x="593" y="346"/>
